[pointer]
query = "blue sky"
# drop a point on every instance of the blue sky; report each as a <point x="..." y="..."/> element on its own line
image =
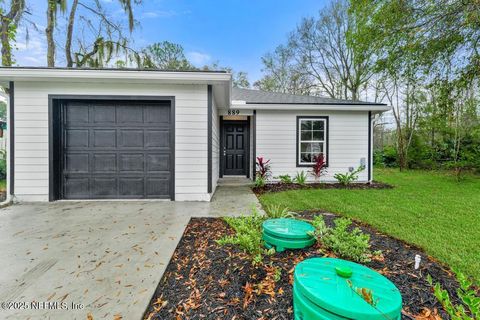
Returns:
<point x="235" y="33"/>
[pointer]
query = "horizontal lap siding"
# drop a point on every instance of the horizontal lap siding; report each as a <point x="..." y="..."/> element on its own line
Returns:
<point x="215" y="146"/>
<point x="348" y="141"/>
<point x="31" y="133"/>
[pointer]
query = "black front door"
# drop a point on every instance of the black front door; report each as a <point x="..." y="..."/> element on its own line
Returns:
<point x="235" y="147"/>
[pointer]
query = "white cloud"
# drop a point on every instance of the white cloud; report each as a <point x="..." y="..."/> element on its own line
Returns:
<point x="198" y="58"/>
<point x="163" y="14"/>
<point x="32" y="52"/>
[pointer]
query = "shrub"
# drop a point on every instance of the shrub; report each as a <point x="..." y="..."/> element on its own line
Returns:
<point x="248" y="233"/>
<point x="352" y="245"/>
<point x="285" y="178"/>
<point x="274" y="211"/>
<point x="263" y="168"/>
<point x="300" y="178"/>
<point x="470" y="307"/>
<point x="347" y="178"/>
<point x="320" y="166"/>
<point x="260" y="182"/>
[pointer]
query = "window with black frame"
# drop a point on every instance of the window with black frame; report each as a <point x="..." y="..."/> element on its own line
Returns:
<point x="312" y="139"/>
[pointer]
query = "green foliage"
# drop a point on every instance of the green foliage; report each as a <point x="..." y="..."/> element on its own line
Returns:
<point x="285" y="178"/>
<point x="260" y="181"/>
<point x="3" y="164"/>
<point x="166" y="56"/>
<point x="300" y="178"/>
<point x="348" y="177"/>
<point x="470" y="307"/>
<point x="347" y="244"/>
<point x="248" y="233"/>
<point x="274" y="211"/>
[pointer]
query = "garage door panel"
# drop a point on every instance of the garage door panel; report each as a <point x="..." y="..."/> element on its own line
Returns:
<point x="104" y="138"/>
<point x="77" y="138"/>
<point x="115" y="149"/>
<point x="132" y="187"/>
<point x="129" y="115"/>
<point x="104" y="163"/>
<point x="132" y="163"/>
<point x="77" y="187"/>
<point x="104" y="114"/>
<point x="131" y="139"/>
<point x="157" y="115"/>
<point x="157" y="138"/>
<point x="158" y="163"/>
<point x="103" y="187"/>
<point x="77" y="113"/>
<point x="76" y="163"/>
<point x="157" y="185"/>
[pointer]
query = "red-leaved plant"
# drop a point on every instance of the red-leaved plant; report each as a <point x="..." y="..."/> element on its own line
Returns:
<point x="263" y="168"/>
<point x="319" y="167"/>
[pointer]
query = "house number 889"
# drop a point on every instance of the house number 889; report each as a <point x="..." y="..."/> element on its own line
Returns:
<point x="233" y="112"/>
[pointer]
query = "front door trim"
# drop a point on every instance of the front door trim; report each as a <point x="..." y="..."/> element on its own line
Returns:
<point x="54" y="124"/>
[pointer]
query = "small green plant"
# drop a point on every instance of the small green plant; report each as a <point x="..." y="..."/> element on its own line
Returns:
<point x="351" y="245"/>
<point x="348" y="177"/>
<point x="470" y="307"/>
<point x="300" y="178"/>
<point x="274" y="211"/>
<point x="248" y="232"/>
<point x="285" y="179"/>
<point x="277" y="274"/>
<point x="260" y="182"/>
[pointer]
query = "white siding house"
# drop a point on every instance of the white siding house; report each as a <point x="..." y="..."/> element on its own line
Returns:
<point x="122" y="134"/>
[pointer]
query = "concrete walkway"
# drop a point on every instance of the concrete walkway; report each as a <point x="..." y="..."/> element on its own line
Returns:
<point x="101" y="258"/>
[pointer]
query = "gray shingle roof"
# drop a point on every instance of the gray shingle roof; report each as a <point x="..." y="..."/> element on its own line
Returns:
<point x="262" y="97"/>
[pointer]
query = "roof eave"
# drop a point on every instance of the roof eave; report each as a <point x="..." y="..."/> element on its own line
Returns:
<point x="312" y="107"/>
<point x="36" y="74"/>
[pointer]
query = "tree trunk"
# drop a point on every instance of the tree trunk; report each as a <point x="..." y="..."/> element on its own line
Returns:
<point x="68" y="41"/>
<point x="6" y="49"/>
<point x="49" y="33"/>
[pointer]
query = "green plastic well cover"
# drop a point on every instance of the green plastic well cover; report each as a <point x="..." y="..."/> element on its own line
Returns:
<point x="288" y="228"/>
<point x="318" y="280"/>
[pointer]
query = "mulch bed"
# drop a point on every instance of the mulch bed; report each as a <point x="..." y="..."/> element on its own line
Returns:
<point x="207" y="281"/>
<point x="277" y="187"/>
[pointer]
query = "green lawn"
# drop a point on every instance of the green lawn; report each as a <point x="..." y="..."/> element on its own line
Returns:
<point x="429" y="209"/>
<point x="3" y="185"/>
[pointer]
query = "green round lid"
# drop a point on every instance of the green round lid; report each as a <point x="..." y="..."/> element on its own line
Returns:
<point x="288" y="228"/>
<point x="325" y="282"/>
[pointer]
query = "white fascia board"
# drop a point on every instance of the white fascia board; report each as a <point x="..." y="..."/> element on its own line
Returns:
<point x="26" y="74"/>
<point x="313" y="107"/>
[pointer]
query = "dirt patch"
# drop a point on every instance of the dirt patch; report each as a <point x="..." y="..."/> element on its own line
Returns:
<point x="278" y="187"/>
<point x="207" y="281"/>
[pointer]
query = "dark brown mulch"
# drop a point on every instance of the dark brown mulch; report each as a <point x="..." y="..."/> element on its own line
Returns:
<point x="277" y="187"/>
<point x="207" y="281"/>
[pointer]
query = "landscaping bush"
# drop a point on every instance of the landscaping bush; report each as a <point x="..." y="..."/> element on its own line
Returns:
<point x="319" y="167"/>
<point x="277" y="211"/>
<point x="285" y="178"/>
<point x="248" y="231"/>
<point x="351" y="245"/>
<point x="348" y="177"/>
<point x="300" y="178"/>
<point x="263" y="172"/>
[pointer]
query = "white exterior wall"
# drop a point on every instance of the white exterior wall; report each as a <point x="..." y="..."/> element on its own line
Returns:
<point x="215" y="146"/>
<point x="31" y="133"/>
<point x="347" y="139"/>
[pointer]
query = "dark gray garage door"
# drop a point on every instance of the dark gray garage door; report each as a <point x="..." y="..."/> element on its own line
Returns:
<point x="116" y="150"/>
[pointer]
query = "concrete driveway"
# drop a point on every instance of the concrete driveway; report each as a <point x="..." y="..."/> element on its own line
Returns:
<point x="72" y="259"/>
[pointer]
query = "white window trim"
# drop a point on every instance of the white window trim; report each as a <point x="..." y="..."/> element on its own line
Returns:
<point x="324" y="141"/>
